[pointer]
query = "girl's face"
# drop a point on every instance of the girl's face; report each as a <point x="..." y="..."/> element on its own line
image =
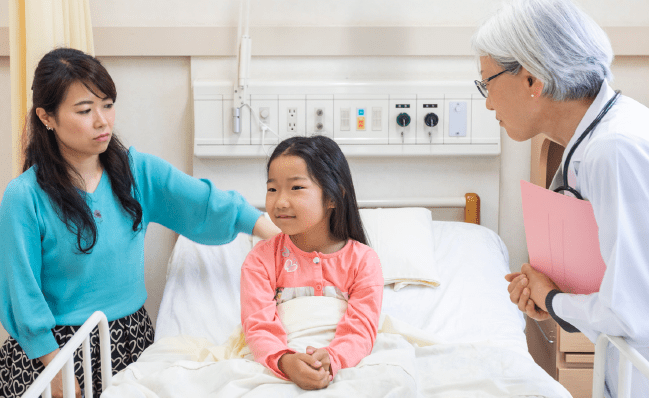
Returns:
<point x="294" y="201"/>
<point x="84" y="122"/>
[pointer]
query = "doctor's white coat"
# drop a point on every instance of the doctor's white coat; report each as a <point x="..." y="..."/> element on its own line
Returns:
<point x="611" y="170"/>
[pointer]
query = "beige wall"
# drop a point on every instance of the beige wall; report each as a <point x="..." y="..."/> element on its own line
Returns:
<point x="330" y="12"/>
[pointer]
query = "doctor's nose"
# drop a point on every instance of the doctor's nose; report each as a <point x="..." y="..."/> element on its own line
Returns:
<point x="488" y="104"/>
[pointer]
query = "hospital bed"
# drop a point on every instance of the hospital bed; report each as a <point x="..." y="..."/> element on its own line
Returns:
<point x="463" y="338"/>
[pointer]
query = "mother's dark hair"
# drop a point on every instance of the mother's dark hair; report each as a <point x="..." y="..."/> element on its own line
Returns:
<point x="328" y="167"/>
<point x="54" y="75"/>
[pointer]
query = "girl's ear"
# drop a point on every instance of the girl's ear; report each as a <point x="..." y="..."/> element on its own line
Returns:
<point x="330" y="204"/>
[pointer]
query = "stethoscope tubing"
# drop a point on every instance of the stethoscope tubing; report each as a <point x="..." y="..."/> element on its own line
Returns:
<point x="589" y="130"/>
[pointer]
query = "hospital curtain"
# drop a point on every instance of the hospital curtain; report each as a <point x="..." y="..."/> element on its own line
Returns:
<point x="35" y="28"/>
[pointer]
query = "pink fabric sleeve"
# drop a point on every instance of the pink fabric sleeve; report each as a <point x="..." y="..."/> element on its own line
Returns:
<point x="265" y="334"/>
<point x="356" y="331"/>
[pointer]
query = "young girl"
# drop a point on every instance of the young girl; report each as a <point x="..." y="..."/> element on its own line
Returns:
<point x="322" y="251"/>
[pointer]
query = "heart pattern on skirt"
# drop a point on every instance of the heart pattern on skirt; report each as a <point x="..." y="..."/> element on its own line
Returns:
<point x="129" y="337"/>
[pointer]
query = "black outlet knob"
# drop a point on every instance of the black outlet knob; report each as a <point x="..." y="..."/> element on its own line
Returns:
<point x="403" y="119"/>
<point x="431" y="120"/>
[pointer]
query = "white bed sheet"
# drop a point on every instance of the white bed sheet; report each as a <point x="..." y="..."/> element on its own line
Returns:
<point x="482" y="350"/>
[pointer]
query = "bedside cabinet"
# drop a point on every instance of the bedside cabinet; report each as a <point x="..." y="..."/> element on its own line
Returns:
<point x="568" y="357"/>
<point x="575" y="357"/>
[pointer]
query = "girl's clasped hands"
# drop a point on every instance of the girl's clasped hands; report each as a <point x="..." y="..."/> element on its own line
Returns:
<point x="310" y="371"/>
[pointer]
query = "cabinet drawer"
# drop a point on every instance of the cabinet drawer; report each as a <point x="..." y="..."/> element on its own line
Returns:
<point x="574" y="342"/>
<point x="580" y="359"/>
<point x="579" y="382"/>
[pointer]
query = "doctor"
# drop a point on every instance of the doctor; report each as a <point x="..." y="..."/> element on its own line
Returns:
<point x="545" y="68"/>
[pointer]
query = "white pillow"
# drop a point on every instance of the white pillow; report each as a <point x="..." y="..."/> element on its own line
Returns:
<point x="473" y="302"/>
<point x="403" y="239"/>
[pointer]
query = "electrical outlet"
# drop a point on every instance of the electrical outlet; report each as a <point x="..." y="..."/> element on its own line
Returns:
<point x="292" y="116"/>
<point x="291" y="120"/>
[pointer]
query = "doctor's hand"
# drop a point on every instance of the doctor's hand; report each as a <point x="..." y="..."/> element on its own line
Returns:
<point x="528" y="289"/>
<point x="304" y="370"/>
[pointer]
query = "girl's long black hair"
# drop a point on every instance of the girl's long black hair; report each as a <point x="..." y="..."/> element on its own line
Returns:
<point x="55" y="73"/>
<point x="328" y="167"/>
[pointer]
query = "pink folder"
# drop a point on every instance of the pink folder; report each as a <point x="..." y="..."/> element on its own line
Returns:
<point x="562" y="239"/>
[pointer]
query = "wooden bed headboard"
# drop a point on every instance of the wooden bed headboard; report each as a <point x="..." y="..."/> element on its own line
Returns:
<point x="470" y="202"/>
<point x="546" y="159"/>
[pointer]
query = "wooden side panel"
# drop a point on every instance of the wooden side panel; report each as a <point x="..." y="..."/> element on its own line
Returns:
<point x="574" y="342"/>
<point x="579" y="382"/>
<point x="472" y="208"/>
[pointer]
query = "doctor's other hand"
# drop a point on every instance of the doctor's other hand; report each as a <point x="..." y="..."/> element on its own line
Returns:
<point x="301" y="370"/>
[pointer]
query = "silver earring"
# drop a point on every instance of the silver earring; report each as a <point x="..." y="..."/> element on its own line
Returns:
<point x="48" y="127"/>
<point x="532" y="95"/>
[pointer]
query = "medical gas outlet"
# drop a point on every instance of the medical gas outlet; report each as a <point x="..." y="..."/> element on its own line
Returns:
<point x="404" y="112"/>
<point x="431" y="120"/>
<point x="403" y="120"/>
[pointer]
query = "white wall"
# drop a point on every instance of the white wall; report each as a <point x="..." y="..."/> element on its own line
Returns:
<point x="154" y="96"/>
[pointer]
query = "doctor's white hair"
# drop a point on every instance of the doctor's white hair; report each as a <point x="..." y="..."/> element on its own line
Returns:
<point x="554" y="40"/>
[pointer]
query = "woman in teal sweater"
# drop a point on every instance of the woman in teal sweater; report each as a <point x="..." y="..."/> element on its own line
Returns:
<point x="73" y="224"/>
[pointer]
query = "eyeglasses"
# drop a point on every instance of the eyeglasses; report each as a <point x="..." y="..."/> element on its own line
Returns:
<point x="482" y="85"/>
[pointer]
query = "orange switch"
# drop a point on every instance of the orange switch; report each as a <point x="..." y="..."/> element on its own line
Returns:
<point x="360" y="122"/>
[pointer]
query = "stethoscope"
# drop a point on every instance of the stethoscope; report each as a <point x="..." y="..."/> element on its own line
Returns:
<point x="565" y="186"/>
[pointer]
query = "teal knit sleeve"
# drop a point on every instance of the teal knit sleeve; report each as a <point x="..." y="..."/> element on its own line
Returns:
<point x="190" y="206"/>
<point x="24" y="313"/>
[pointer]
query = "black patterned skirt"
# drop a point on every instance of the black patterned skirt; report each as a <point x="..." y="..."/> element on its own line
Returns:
<point x="129" y="336"/>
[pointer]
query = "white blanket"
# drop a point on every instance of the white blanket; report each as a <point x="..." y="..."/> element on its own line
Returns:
<point x="405" y="362"/>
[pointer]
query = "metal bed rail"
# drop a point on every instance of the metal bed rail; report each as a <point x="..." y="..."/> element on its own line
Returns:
<point x="65" y="360"/>
<point x="628" y="356"/>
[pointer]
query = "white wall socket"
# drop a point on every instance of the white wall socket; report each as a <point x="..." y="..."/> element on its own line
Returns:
<point x="292" y="116"/>
<point x="291" y="121"/>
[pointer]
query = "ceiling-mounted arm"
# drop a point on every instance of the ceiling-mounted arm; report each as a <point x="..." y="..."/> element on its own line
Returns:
<point x="244" y="44"/>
